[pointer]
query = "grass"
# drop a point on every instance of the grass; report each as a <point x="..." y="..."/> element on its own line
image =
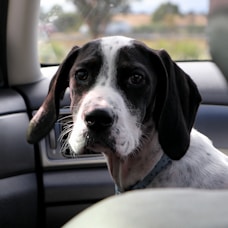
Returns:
<point x="181" y="48"/>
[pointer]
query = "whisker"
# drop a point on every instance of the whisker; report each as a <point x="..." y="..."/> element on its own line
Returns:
<point x="66" y="128"/>
<point x="64" y="135"/>
<point x="70" y="116"/>
<point x="65" y="148"/>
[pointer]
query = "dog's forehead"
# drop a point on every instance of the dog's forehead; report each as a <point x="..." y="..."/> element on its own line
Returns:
<point x="110" y="45"/>
<point x="107" y="48"/>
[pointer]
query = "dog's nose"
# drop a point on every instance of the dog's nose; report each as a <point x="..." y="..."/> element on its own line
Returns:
<point x="99" y="119"/>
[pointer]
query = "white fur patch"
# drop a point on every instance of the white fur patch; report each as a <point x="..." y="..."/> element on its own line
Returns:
<point x="110" y="47"/>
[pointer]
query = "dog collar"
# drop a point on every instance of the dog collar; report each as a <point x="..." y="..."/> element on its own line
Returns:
<point x="162" y="163"/>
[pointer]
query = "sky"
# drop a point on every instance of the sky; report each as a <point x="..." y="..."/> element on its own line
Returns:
<point x="146" y="6"/>
<point x="185" y="6"/>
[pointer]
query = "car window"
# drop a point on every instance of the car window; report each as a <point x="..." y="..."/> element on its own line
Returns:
<point x="179" y="26"/>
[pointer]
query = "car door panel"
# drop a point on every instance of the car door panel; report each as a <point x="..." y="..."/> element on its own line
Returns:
<point x="68" y="192"/>
<point x="18" y="181"/>
<point x="18" y="201"/>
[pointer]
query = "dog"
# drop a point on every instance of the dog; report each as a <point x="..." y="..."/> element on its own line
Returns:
<point x="137" y="107"/>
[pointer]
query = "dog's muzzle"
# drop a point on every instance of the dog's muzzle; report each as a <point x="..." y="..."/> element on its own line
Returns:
<point x="99" y="122"/>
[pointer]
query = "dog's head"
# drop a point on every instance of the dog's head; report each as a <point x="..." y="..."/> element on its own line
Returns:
<point x="120" y="90"/>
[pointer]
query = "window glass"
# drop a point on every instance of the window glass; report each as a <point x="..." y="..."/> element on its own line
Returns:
<point x="179" y="26"/>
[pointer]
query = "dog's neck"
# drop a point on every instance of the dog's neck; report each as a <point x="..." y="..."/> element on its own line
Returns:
<point x="131" y="169"/>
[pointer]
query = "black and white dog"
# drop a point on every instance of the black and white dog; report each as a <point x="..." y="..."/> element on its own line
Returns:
<point x="136" y="106"/>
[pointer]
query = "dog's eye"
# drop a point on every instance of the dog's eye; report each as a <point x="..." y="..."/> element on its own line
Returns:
<point x="136" y="79"/>
<point x="81" y="75"/>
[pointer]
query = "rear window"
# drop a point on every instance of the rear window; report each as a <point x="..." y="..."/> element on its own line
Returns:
<point x="179" y="26"/>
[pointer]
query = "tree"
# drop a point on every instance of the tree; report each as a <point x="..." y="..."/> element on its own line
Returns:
<point x="63" y="21"/>
<point x="165" y="9"/>
<point x="97" y="14"/>
<point x="52" y="14"/>
<point x="67" y="22"/>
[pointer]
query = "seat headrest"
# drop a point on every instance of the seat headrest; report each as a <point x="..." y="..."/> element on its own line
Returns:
<point x="218" y="34"/>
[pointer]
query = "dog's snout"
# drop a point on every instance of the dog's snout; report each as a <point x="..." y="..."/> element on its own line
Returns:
<point x="99" y="119"/>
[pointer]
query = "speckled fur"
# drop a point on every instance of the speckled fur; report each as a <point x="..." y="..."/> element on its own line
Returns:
<point x="203" y="166"/>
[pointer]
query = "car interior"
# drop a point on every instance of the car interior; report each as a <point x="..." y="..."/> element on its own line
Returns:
<point x="41" y="186"/>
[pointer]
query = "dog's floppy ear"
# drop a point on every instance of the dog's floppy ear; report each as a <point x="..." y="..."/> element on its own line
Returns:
<point x="176" y="104"/>
<point x="45" y="117"/>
